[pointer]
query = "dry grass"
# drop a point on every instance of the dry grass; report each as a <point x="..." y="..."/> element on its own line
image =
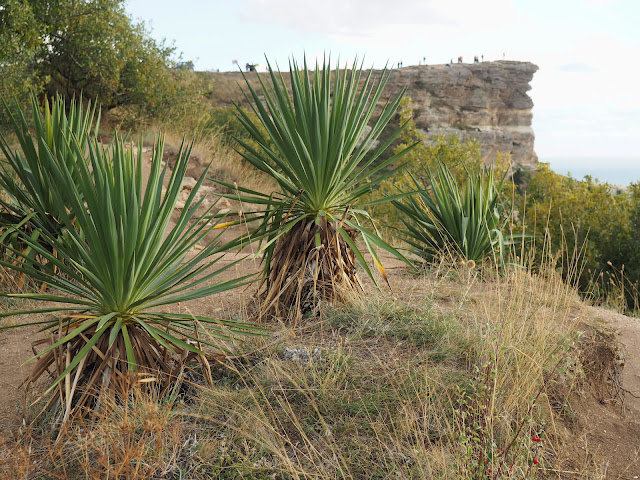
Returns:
<point x="413" y="388"/>
<point x="140" y="437"/>
<point x="458" y="376"/>
<point x="226" y="163"/>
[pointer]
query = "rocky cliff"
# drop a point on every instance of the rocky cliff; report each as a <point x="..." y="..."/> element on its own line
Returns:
<point x="487" y="101"/>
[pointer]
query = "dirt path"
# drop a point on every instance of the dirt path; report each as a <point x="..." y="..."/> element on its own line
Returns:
<point x="613" y="429"/>
<point x="15" y="349"/>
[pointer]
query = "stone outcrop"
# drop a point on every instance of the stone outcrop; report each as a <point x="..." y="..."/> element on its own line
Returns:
<point x="487" y="101"/>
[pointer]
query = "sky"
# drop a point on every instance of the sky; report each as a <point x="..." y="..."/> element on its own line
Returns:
<point x="586" y="93"/>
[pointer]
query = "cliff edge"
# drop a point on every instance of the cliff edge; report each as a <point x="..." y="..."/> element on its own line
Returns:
<point x="487" y="100"/>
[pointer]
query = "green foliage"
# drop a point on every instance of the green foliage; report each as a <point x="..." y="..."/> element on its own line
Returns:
<point x="28" y="197"/>
<point x="463" y="219"/>
<point x="590" y="220"/>
<point x="117" y="264"/>
<point x="89" y="47"/>
<point x="19" y="42"/>
<point x="316" y="149"/>
<point x="24" y="178"/>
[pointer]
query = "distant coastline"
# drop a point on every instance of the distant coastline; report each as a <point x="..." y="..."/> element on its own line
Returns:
<point x="617" y="171"/>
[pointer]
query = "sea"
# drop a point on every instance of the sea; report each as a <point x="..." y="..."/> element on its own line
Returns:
<point x="617" y="171"/>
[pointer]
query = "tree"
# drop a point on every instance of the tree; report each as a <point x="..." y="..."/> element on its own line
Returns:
<point x="591" y="222"/>
<point x="19" y="44"/>
<point x="88" y="46"/>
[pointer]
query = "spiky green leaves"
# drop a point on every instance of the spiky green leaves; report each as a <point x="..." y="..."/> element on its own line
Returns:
<point x="116" y="261"/>
<point x="22" y="177"/>
<point x="466" y="220"/>
<point x="320" y="152"/>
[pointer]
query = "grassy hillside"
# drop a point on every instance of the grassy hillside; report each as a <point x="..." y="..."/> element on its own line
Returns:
<point x="459" y="374"/>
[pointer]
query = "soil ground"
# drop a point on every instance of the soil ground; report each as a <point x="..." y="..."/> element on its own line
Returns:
<point x="612" y="429"/>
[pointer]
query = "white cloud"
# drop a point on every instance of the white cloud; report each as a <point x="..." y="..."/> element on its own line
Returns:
<point x="354" y="20"/>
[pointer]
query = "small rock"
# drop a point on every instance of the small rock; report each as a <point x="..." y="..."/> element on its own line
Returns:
<point x="207" y="189"/>
<point x="189" y="182"/>
<point x="300" y="354"/>
<point x="183" y="196"/>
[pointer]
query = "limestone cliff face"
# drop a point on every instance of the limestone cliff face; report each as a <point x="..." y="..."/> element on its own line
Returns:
<point x="488" y="101"/>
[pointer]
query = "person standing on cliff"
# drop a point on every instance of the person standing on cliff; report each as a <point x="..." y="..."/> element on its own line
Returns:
<point x="460" y="59"/>
<point x="475" y="59"/>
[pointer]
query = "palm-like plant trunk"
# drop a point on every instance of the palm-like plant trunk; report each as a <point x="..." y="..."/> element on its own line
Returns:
<point x="107" y="369"/>
<point x="312" y="263"/>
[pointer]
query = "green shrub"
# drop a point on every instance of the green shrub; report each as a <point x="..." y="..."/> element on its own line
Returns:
<point x="316" y="149"/>
<point x="465" y="218"/>
<point x="19" y="42"/>
<point x="592" y="221"/>
<point x="23" y="177"/>
<point x="93" y="49"/>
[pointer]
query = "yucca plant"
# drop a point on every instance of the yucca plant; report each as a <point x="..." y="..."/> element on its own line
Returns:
<point x="121" y="265"/>
<point x="319" y="151"/>
<point x="21" y="175"/>
<point x="27" y="194"/>
<point x="466" y="220"/>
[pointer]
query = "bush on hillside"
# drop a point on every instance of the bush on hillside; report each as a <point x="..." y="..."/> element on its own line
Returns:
<point x="93" y="48"/>
<point x="592" y="220"/>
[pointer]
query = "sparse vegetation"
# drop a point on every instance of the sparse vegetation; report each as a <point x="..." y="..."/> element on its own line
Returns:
<point x="465" y="370"/>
